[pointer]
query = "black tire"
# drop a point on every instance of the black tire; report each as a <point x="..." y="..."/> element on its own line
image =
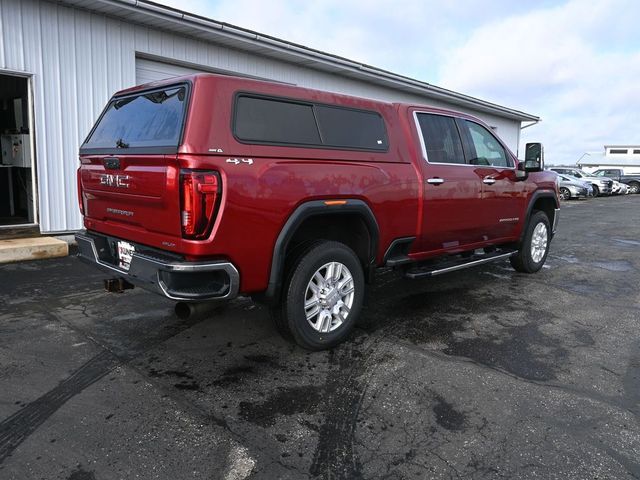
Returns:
<point x="523" y="260"/>
<point x="290" y="317"/>
<point x="634" y="187"/>
<point x="276" y="311"/>
<point x="596" y="191"/>
<point x="280" y="322"/>
<point x="565" y="194"/>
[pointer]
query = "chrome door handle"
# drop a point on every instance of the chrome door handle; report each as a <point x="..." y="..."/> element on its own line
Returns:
<point x="435" y="181"/>
<point x="489" y="180"/>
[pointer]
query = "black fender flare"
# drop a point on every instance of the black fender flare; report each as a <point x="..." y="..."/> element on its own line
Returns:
<point x="537" y="195"/>
<point x="310" y="209"/>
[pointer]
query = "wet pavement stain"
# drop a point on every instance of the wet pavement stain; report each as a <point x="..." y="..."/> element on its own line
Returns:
<point x="335" y="455"/>
<point x="266" y="362"/>
<point x="523" y="351"/>
<point x="581" y="288"/>
<point x="81" y="474"/>
<point x="614" y="266"/>
<point x="419" y="317"/>
<point x="284" y="402"/>
<point x="169" y="373"/>
<point x="447" y="416"/>
<point x="233" y="375"/>
<point x="184" y="385"/>
<point x="625" y="241"/>
<point x="187" y="382"/>
<point x="584" y="337"/>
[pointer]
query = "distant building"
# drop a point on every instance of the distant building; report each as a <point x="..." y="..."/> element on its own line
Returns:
<point x="623" y="156"/>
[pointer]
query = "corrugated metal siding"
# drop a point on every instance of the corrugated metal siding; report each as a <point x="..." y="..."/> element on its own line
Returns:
<point x="78" y="59"/>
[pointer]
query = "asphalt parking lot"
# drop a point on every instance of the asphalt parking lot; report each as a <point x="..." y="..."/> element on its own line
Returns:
<point x="482" y="373"/>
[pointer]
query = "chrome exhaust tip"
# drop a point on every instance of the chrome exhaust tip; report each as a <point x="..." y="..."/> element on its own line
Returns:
<point x="187" y="310"/>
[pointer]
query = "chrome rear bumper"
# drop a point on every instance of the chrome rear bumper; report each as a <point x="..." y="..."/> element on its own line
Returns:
<point x="168" y="276"/>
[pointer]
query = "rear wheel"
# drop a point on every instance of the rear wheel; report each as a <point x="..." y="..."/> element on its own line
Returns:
<point x="565" y="194"/>
<point x="322" y="296"/>
<point x="535" y="245"/>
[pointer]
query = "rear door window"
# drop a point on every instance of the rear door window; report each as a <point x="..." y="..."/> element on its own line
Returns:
<point x="144" y="120"/>
<point x="442" y="142"/>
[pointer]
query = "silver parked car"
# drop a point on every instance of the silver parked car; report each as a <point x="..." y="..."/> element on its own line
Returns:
<point x="571" y="187"/>
<point x="601" y="185"/>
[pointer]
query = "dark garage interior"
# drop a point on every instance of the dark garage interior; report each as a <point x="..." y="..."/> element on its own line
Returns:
<point x="16" y="191"/>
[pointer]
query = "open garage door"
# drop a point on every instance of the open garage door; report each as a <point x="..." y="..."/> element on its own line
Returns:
<point x="17" y="173"/>
<point x="151" y="70"/>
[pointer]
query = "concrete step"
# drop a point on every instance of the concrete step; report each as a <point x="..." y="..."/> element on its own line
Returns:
<point x="19" y="249"/>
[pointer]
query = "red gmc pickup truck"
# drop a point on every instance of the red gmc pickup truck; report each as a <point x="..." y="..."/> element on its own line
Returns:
<point x="205" y="187"/>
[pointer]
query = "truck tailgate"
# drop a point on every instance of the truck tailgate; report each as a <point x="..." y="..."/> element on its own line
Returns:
<point x="133" y="190"/>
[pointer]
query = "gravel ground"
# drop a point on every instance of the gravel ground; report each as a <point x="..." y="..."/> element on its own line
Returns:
<point x="482" y="373"/>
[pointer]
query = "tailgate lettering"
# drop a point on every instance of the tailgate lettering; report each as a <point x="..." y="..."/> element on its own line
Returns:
<point x="110" y="180"/>
<point x="117" y="211"/>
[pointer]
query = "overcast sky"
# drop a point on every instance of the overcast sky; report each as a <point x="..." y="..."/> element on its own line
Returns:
<point x="575" y="63"/>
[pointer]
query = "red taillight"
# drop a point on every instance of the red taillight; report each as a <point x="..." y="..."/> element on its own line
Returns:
<point x="80" y="201"/>
<point x="200" y="192"/>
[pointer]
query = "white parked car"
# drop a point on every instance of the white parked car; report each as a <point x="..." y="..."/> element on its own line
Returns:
<point x="619" y="188"/>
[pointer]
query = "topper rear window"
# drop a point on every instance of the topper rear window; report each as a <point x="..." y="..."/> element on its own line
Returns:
<point x="146" y="120"/>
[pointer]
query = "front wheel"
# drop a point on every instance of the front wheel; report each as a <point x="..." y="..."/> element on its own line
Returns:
<point x="565" y="194"/>
<point x="535" y="245"/>
<point x="322" y="296"/>
<point x="596" y="191"/>
<point x="634" y="187"/>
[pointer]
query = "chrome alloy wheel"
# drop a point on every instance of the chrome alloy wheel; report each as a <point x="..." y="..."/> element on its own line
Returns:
<point x="539" y="241"/>
<point x="329" y="297"/>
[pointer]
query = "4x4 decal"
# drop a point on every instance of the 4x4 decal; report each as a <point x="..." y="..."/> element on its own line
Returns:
<point x="237" y="161"/>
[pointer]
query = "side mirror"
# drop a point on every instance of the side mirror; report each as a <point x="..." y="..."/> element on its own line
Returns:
<point x="534" y="157"/>
<point x="521" y="173"/>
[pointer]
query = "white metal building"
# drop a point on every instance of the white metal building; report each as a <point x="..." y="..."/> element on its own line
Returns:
<point x="626" y="157"/>
<point x="60" y="61"/>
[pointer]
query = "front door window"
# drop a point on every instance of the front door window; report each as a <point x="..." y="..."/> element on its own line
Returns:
<point x="486" y="149"/>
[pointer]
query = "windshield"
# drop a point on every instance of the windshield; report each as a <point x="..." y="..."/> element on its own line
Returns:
<point x="143" y="120"/>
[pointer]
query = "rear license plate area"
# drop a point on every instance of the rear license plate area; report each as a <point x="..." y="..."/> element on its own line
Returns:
<point x="125" y="251"/>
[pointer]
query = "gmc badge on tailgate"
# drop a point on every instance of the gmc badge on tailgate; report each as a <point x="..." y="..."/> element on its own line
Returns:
<point x="110" y="180"/>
